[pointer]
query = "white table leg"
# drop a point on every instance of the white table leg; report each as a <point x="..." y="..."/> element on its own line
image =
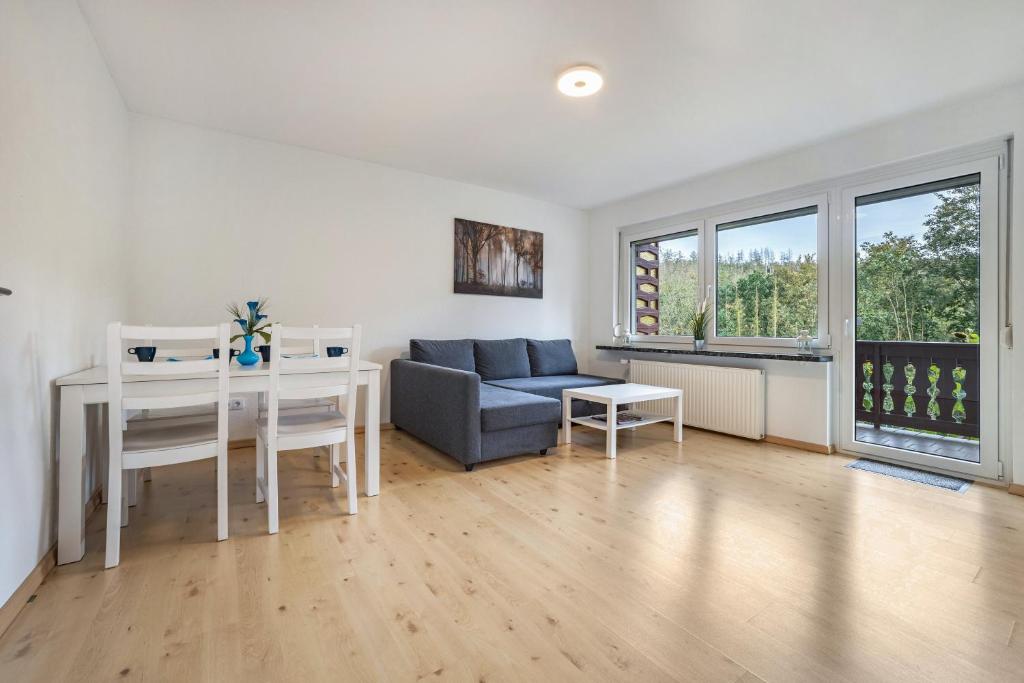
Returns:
<point x="611" y="436"/>
<point x="678" y="421"/>
<point x="372" y="434"/>
<point x="71" y="504"/>
<point x="566" y="419"/>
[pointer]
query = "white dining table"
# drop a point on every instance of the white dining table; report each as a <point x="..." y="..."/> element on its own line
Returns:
<point x="89" y="387"/>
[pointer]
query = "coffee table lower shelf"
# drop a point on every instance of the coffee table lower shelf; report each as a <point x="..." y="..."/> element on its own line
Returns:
<point x="645" y="419"/>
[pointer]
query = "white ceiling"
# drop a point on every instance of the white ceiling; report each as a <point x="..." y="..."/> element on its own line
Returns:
<point x="465" y="89"/>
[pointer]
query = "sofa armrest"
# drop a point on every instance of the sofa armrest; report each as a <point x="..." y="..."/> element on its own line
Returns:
<point x="438" y="405"/>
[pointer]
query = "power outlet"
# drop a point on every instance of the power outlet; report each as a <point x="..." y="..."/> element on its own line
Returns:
<point x="236" y="404"/>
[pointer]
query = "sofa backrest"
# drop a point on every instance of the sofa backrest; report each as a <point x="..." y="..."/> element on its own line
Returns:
<point x="448" y="353"/>
<point x="498" y="358"/>
<point x="501" y="358"/>
<point x="551" y="357"/>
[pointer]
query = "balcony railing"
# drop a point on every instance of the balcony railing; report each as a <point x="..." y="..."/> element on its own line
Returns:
<point x="932" y="386"/>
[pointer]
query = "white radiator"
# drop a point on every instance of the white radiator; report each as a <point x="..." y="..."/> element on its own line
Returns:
<point x="729" y="400"/>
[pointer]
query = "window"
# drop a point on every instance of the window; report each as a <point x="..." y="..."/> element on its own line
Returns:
<point x="665" y="283"/>
<point x="767" y="275"/>
<point x="764" y="271"/>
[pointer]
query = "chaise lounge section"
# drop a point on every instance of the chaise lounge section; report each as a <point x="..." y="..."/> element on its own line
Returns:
<point x="478" y="400"/>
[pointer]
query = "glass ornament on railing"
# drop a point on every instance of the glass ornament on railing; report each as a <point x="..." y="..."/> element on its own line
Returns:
<point x="909" y="406"/>
<point x="933" y="391"/>
<point x="868" y="402"/>
<point x="887" y="404"/>
<point x="959" y="414"/>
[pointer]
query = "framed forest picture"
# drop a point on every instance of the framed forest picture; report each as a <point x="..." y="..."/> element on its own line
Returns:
<point x="493" y="259"/>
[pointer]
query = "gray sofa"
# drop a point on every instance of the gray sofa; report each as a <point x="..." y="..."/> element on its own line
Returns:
<point x="480" y="400"/>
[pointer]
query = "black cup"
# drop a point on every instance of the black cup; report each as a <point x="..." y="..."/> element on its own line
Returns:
<point x="145" y="354"/>
<point x="234" y="352"/>
<point x="336" y="351"/>
<point x="265" y="352"/>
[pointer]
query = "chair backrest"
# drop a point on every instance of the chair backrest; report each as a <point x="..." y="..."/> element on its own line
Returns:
<point x="159" y="394"/>
<point x="177" y="349"/>
<point x="303" y="346"/>
<point x="343" y="382"/>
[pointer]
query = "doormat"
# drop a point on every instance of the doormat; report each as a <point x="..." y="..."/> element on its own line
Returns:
<point x="910" y="474"/>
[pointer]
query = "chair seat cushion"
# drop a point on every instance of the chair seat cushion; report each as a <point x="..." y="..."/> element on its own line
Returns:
<point x="551" y="386"/>
<point x="146" y="436"/>
<point x="505" y="409"/>
<point x="448" y="353"/>
<point x="305" y="423"/>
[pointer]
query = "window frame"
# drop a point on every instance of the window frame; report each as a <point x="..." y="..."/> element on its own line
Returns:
<point x="821" y="337"/>
<point x="705" y="223"/>
<point x="627" y="297"/>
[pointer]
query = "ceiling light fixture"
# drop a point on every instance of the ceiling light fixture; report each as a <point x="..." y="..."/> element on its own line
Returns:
<point x="580" y="81"/>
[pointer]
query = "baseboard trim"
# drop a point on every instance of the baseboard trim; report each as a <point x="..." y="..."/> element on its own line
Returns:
<point x="1016" y="489"/>
<point x="95" y="500"/>
<point x="251" y="443"/>
<point x="826" y="449"/>
<point x="12" y="608"/>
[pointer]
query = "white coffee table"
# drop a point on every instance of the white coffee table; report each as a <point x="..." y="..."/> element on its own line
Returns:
<point x="613" y="396"/>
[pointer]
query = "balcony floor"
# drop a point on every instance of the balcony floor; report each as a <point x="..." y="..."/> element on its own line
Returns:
<point x="945" y="446"/>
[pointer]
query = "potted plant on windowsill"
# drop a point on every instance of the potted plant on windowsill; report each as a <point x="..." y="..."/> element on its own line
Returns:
<point x="698" y="323"/>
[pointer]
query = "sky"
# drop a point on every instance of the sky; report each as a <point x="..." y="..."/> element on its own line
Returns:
<point x="904" y="217"/>
<point x="799" y="235"/>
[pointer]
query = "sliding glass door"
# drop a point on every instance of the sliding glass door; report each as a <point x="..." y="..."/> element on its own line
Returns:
<point x="920" y="344"/>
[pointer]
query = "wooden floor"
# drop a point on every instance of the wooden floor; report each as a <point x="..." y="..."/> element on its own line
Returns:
<point x="716" y="559"/>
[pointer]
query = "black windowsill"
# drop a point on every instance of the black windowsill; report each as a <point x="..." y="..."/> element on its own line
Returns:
<point x="812" y="357"/>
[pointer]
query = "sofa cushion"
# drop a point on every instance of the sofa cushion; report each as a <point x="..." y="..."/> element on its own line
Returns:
<point x="448" y="353"/>
<point x="551" y="386"/>
<point x="551" y="357"/>
<point x="506" y="409"/>
<point x="501" y="358"/>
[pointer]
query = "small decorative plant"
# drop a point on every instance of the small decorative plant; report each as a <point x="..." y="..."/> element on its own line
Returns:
<point x="251" y="321"/>
<point x="698" y="321"/>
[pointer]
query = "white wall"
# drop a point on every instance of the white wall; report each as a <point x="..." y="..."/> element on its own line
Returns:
<point x="62" y="194"/>
<point x="331" y="241"/>
<point x="954" y="125"/>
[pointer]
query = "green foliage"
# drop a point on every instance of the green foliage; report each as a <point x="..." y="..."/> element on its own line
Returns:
<point x="678" y="285"/>
<point x="924" y="290"/>
<point x="760" y="295"/>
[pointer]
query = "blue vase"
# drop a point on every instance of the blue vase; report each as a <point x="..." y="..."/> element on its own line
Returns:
<point x="248" y="357"/>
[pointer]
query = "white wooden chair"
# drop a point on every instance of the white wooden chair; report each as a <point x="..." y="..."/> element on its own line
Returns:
<point x="284" y="432"/>
<point x="155" y="444"/>
<point x="308" y="347"/>
<point x="186" y="415"/>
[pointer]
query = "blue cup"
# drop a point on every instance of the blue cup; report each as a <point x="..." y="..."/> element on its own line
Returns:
<point x="145" y="354"/>
<point x="234" y="352"/>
